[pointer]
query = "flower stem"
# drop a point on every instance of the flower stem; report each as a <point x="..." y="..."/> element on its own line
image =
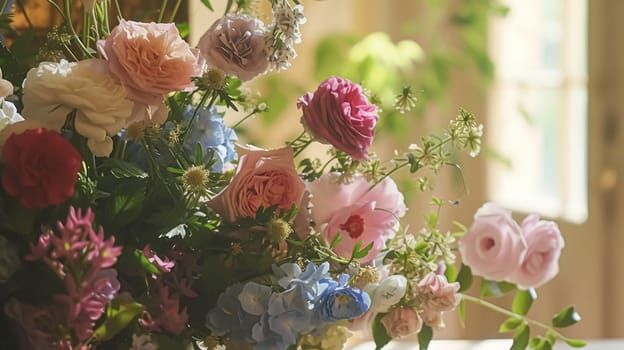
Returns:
<point x="161" y="13"/>
<point x="244" y="119"/>
<point x="506" y="312"/>
<point x="174" y="12"/>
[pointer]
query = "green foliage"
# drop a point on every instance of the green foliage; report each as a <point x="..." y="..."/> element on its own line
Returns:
<point x="464" y="278"/>
<point x="424" y="337"/>
<point x="566" y="317"/>
<point x="495" y="289"/>
<point x="380" y="335"/>
<point x="523" y="300"/>
<point x="510" y="325"/>
<point x="521" y="338"/>
<point x="118" y="315"/>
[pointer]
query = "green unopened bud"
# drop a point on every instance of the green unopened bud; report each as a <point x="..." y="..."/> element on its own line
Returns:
<point x="278" y="230"/>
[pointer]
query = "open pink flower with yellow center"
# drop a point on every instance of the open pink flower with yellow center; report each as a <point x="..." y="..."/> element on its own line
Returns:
<point x="356" y="211"/>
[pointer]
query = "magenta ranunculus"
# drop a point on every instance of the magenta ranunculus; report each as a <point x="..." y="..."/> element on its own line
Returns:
<point x="340" y="114"/>
<point x="150" y="60"/>
<point x="541" y="262"/>
<point x="236" y="45"/>
<point x="359" y="214"/>
<point x="494" y="245"/>
<point x="262" y="179"/>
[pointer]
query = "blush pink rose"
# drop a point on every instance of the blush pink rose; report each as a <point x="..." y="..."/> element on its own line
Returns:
<point x="402" y="322"/>
<point x="339" y="113"/>
<point x="438" y="293"/>
<point x="150" y="60"/>
<point x="541" y="262"/>
<point x="262" y="179"/>
<point x="494" y="246"/>
<point x="433" y="319"/>
<point x="236" y="45"/>
<point x="357" y="213"/>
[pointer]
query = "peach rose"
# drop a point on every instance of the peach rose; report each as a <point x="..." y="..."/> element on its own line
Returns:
<point x="150" y="60"/>
<point x="541" y="262"/>
<point x="494" y="246"/>
<point x="236" y="45"/>
<point x="262" y="179"/>
<point x="402" y="322"/>
<point x="438" y="293"/>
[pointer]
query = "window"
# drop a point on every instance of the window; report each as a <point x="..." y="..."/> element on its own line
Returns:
<point x="538" y="108"/>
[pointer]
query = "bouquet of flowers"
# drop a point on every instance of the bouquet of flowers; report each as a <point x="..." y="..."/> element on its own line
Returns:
<point x="130" y="218"/>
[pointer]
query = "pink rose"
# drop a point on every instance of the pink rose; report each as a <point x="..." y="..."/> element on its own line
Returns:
<point x="357" y="213"/>
<point x="150" y="60"/>
<point x="541" y="262"/>
<point x="494" y="245"/>
<point x="236" y="45"/>
<point x="340" y="114"/>
<point x="438" y="293"/>
<point x="402" y="322"/>
<point x="262" y="179"/>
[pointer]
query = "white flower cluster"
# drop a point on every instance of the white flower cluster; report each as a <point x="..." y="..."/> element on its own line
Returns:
<point x="284" y="33"/>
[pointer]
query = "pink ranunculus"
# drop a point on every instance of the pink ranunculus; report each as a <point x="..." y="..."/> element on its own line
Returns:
<point x="355" y="210"/>
<point x="438" y="293"/>
<point x="150" y="60"/>
<point x="236" y="45"/>
<point x="541" y="262"/>
<point x="402" y="322"/>
<point x="494" y="245"/>
<point x="263" y="178"/>
<point x="339" y="113"/>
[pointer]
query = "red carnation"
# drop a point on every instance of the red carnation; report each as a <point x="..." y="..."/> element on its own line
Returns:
<point x="41" y="168"/>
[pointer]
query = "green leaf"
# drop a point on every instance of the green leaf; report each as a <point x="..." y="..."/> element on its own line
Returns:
<point x="335" y="241"/>
<point x="118" y="316"/>
<point x="360" y="253"/>
<point x="122" y="169"/>
<point x="461" y="309"/>
<point x="464" y="278"/>
<point x="495" y="289"/>
<point x="566" y="317"/>
<point x="145" y="264"/>
<point x="576" y="343"/>
<point x="523" y="300"/>
<point x="199" y="154"/>
<point x="207" y="4"/>
<point x="510" y="325"/>
<point x="424" y="337"/>
<point x="521" y="339"/>
<point x="380" y="335"/>
<point x="451" y="273"/>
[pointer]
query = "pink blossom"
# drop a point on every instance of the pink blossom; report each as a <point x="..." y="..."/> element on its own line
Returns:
<point x="402" y="322"/>
<point x="438" y="293"/>
<point x="494" y="246"/>
<point x="357" y="211"/>
<point x="162" y="264"/>
<point x="169" y="317"/>
<point x="262" y="179"/>
<point x="433" y="319"/>
<point x="541" y="262"/>
<point x="340" y="114"/>
<point x="150" y="60"/>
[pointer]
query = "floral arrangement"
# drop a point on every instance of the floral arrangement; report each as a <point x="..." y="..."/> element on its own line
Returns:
<point x="130" y="218"/>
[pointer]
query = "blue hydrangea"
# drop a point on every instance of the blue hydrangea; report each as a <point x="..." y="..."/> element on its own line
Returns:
<point x="228" y="316"/>
<point x="208" y="130"/>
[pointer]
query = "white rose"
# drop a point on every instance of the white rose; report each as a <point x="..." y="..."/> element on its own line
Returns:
<point x="53" y="90"/>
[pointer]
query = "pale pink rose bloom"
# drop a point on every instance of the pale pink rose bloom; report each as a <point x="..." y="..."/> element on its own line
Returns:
<point x="150" y="60"/>
<point x="494" y="245"/>
<point x="236" y="45"/>
<point x="357" y="213"/>
<point x="438" y="293"/>
<point x="433" y="319"/>
<point x="339" y="113"/>
<point x="402" y="322"/>
<point x="541" y="262"/>
<point x="263" y="178"/>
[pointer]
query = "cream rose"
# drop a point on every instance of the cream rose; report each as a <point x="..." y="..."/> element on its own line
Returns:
<point x="53" y="90"/>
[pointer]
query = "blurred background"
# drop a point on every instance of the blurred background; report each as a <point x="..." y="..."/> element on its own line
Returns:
<point x="545" y="77"/>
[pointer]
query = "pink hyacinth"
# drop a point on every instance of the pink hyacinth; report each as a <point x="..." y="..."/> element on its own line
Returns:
<point x="169" y="317"/>
<point x="162" y="264"/>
